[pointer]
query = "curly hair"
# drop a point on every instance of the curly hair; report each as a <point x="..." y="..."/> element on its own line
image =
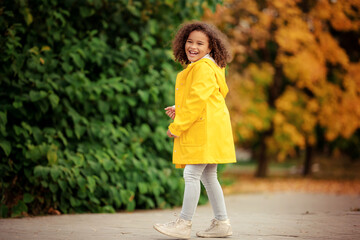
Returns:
<point x="218" y="43"/>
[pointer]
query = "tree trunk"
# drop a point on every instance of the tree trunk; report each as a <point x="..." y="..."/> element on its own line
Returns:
<point x="308" y="160"/>
<point x="262" y="167"/>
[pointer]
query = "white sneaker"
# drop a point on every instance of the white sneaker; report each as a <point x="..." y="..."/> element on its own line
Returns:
<point x="179" y="228"/>
<point x="217" y="229"/>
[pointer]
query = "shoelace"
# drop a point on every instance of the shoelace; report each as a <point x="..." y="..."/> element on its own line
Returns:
<point x="170" y="224"/>
<point x="213" y="224"/>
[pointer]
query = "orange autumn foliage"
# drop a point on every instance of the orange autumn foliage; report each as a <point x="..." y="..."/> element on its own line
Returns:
<point x="290" y="73"/>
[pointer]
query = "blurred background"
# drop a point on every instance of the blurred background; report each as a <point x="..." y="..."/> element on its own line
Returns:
<point x="83" y="85"/>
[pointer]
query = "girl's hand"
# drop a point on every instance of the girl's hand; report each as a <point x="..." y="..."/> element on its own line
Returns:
<point x="170" y="134"/>
<point x="170" y="111"/>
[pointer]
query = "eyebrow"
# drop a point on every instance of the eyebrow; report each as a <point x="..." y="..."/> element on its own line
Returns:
<point x="199" y="41"/>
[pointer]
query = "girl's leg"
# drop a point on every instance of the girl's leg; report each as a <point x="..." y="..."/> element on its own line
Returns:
<point x="192" y="175"/>
<point x="220" y="226"/>
<point x="214" y="191"/>
<point x="181" y="227"/>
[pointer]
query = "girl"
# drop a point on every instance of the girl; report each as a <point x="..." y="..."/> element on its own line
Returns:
<point x="201" y="128"/>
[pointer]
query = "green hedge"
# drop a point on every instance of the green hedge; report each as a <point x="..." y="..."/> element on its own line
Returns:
<point x="83" y="85"/>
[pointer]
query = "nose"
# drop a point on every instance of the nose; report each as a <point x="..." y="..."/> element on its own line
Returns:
<point x="191" y="45"/>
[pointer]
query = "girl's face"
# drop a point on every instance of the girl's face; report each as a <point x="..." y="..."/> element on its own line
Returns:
<point x="197" y="46"/>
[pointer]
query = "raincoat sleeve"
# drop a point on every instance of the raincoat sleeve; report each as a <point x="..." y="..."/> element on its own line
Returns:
<point x="203" y="85"/>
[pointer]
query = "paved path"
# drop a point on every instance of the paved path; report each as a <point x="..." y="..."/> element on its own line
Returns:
<point x="278" y="216"/>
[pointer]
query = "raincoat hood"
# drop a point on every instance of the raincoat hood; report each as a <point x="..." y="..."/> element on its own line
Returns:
<point x="219" y="73"/>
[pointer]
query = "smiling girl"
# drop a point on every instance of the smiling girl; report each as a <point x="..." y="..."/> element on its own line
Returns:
<point x="201" y="128"/>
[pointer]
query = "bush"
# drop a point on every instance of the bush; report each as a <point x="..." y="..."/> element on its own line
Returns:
<point x="83" y="85"/>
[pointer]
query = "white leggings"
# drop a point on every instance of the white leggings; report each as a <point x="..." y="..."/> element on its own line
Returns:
<point x="207" y="173"/>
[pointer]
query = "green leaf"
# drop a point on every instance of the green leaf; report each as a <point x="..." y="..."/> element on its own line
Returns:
<point x="35" y="153"/>
<point x="103" y="107"/>
<point x="3" y="211"/>
<point x="54" y="100"/>
<point x="150" y="202"/>
<point x="145" y="129"/>
<point x="108" y="164"/>
<point x="108" y="209"/>
<point x="94" y="200"/>
<point x="27" y="127"/>
<point x="18" y="209"/>
<point x="40" y="171"/>
<point x="45" y="184"/>
<point x="77" y="60"/>
<point x="62" y="185"/>
<point x="62" y="137"/>
<point x="134" y="36"/>
<point x="6" y="146"/>
<point x="3" y="121"/>
<point x="86" y="11"/>
<point x="79" y="130"/>
<point x="37" y="134"/>
<point x="143" y="188"/>
<point x="53" y="187"/>
<point x="55" y="173"/>
<point x="91" y="183"/>
<point x="114" y="193"/>
<point x="81" y="181"/>
<point x="74" y="202"/>
<point x="28" y="198"/>
<point x="94" y="165"/>
<point x="17" y="104"/>
<point x="125" y="195"/>
<point x="67" y="67"/>
<point x="131" y="206"/>
<point x="144" y="95"/>
<point x="72" y="181"/>
<point x="77" y="159"/>
<point x="37" y="95"/>
<point x="104" y="177"/>
<point x="81" y="193"/>
<point x="131" y="101"/>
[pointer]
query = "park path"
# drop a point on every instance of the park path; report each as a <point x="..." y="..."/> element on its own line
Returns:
<point x="277" y="216"/>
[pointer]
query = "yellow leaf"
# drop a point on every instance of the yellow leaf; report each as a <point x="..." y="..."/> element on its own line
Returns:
<point x="34" y="50"/>
<point x="27" y="16"/>
<point x="45" y="48"/>
<point x="52" y="156"/>
<point x="42" y="60"/>
<point x="279" y="118"/>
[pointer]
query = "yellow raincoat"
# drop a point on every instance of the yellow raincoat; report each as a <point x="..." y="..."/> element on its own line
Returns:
<point x="202" y="121"/>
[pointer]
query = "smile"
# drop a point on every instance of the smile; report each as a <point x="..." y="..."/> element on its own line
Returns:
<point x="193" y="53"/>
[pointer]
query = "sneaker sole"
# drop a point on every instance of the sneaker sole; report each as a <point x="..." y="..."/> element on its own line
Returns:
<point x="215" y="236"/>
<point x="170" y="235"/>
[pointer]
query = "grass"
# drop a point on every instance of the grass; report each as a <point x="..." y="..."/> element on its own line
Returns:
<point x="330" y="175"/>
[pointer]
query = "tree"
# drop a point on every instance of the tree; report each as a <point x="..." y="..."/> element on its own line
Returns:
<point x="83" y="85"/>
<point x="295" y="70"/>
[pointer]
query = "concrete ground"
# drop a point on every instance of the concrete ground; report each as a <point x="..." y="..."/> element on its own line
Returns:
<point x="277" y="216"/>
